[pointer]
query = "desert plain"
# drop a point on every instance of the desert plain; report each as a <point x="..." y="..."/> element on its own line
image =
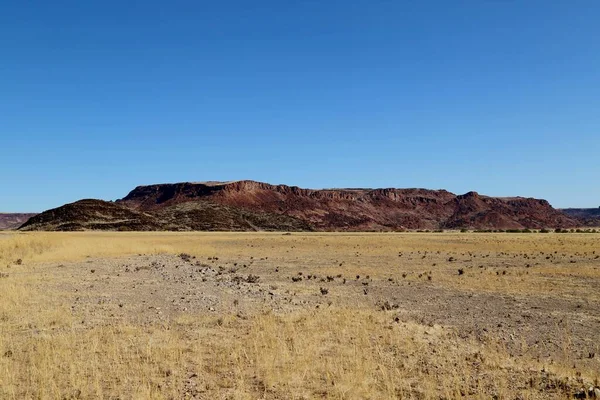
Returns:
<point x="126" y="315"/>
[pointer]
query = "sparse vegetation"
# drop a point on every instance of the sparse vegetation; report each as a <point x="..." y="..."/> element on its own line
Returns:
<point x="152" y="323"/>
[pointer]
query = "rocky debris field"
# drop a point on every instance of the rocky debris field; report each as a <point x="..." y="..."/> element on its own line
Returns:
<point x="150" y="288"/>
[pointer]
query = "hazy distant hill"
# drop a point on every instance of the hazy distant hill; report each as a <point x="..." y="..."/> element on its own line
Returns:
<point x="589" y="216"/>
<point x="582" y="212"/>
<point x="13" y="220"/>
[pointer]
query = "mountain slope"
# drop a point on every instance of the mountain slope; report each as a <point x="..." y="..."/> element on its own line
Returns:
<point x="91" y="214"/>
<point x="201" y="215"/>
<point x="207" y="216"/>
<point x="483" y="212"/>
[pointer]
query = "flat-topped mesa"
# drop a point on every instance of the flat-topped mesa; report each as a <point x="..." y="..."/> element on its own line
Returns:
<point x="267" y="197"/>
<point x="252" y="205"/>
<point x="358" y="208"/>
<point x="191" y="190"/>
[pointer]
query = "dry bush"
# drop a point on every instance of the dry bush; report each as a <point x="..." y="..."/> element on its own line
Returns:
<point x="101" y="362"/>
<point x="349" y="354"/>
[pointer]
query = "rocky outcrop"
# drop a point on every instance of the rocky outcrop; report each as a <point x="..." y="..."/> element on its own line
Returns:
<point x="92" y="214"/>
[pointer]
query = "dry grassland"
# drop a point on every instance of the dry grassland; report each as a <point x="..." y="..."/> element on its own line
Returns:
<point x="301" y="316"/>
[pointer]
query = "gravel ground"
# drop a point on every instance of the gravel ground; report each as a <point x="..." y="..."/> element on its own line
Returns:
<point x="146" y="289"/>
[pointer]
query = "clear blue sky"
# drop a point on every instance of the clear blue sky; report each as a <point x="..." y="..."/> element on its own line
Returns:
<point x="497" y="96"/>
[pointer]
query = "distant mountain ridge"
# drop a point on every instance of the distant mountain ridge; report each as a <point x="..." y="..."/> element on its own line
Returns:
<point x="252" y="205"/>
<point x="589" y="216"/>
<point x="582" y="212"/>
<point x="13" y="220"/>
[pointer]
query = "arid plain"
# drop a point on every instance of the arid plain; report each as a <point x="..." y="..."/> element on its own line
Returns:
<point x="120" y="315"/>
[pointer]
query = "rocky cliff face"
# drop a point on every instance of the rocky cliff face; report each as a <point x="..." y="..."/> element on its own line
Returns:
<point x="13" y="220"/>
<point x="359" y="209"/>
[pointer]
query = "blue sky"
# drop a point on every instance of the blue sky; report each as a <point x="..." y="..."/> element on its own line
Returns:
<point x="497" y="96"/>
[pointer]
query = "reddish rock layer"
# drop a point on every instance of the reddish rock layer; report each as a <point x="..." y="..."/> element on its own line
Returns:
<point x="360" y="209"/>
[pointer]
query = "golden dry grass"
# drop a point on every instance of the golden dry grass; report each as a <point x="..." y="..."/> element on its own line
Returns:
<point x="339" y="352"/>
